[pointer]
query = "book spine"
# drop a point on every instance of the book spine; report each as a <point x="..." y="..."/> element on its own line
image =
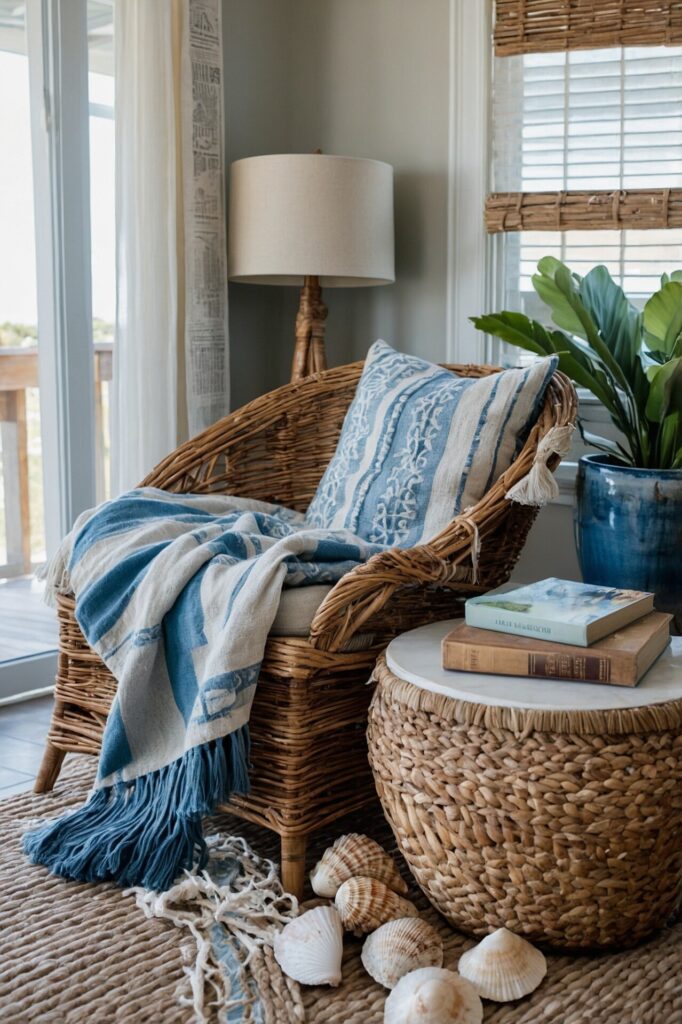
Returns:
<point x="502" y="621"/>
<point x="510" y="661"/>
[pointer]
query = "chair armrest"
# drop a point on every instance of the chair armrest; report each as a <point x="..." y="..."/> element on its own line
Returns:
<point x="364" y="591"/>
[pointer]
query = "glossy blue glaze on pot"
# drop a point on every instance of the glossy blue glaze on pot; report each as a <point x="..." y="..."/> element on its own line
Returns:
<point x="629" y="528"/>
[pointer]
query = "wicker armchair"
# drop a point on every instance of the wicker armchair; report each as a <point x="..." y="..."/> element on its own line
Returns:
<point x="309" y="761"/>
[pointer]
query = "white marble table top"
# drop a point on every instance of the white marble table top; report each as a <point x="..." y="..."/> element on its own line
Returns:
<point x="416" y="657"/>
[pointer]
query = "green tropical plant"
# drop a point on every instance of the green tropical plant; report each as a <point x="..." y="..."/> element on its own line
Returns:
<point x="631" y="360"/>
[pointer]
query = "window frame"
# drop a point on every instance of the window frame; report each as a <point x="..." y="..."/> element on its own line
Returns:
<point x="58" y="72"/>
<point x="592" y="412"/>
<point x="56" y="36"/>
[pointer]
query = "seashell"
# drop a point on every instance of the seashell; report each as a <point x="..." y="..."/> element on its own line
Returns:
<point x="433" y="995"/>
<point x="309" y="948"/>
<point x="399" y="947"/>
<point x="353" y="855"/>
<point x="366" y="903"/>
<point x="503" y="966"/>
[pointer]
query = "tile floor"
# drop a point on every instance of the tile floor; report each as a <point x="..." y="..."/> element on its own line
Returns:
<point x="23" y="728"/>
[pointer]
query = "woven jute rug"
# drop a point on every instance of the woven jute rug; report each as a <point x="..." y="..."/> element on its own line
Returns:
<point x="71" y="952"/>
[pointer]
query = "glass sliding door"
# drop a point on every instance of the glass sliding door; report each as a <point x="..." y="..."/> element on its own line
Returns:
<point x="22" y="525"/>
<point x="57" y="301"/>
<point x="27" y="628"/>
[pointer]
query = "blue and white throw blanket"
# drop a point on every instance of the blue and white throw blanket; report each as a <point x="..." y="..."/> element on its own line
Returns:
<point x="177" y="594"/>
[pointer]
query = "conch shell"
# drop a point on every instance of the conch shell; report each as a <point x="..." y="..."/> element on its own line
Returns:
<point x="433" y="995"/>
<point x="309" y="948"/>
<point x="399" y="947"/>
<point x="503" y="966"/>
<point x="353" y="855"/>
<point x="366" y="903"/>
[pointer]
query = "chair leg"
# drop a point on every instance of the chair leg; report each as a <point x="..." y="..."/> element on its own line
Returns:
<point x="49" y="768"/>
<point x="293" y="864"/>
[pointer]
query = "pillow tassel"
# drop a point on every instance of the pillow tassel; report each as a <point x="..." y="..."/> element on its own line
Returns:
<point x="538" y="486"/>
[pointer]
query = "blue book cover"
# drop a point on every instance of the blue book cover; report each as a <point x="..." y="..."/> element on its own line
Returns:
<point x="563" y="611"/>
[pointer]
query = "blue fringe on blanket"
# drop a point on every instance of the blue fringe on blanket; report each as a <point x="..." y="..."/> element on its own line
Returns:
<point x="147" y="831"/>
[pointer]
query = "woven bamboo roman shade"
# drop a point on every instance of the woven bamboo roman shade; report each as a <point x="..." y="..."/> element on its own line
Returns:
<point x="534" y="26"/>
<point x="591" y="140"/>
<point x="573" y="211"/>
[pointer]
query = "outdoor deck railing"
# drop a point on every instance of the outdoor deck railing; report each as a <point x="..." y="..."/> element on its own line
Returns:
<point x="18" y="373"/>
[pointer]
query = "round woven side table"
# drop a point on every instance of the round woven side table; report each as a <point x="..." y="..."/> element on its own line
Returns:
<point x="551" y="808"/>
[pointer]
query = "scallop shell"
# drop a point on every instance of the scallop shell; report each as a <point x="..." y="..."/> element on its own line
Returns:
<point x="309" y="948"/>
<point x="503" y="966"/>
<point x="353" y="855"/>
<point x="433" y="995"/>
<point x="399" y="947"/>
<point x="366" y="903"/>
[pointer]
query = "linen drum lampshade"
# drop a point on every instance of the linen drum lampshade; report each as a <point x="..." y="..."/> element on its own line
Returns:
<point x="314" y="220"/>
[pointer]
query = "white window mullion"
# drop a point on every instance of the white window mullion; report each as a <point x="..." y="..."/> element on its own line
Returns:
<point x="58" y="63"/>
<point x="622" y="234"/>
<point x="566" y="123"/>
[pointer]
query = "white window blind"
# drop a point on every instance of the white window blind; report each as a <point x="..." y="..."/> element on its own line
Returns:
<point x="587" y="119"/>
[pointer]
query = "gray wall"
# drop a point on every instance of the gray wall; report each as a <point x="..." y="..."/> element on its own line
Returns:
<point x="550" y="548"/>
<point x="359" y="78"/>
<point x="372" y="80"/>
<point x="257" y="35"/>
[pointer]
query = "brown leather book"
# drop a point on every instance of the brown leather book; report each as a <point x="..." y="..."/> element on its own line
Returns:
<point x="620" y="659"/>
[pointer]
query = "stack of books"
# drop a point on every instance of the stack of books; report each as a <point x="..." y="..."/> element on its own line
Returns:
<point x="560" y="629"/>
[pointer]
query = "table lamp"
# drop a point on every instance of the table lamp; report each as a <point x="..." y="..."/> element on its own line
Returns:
<point x="313" y="220"/>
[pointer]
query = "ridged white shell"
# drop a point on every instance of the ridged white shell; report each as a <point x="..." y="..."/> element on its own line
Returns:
<point x="309" y="948"/>
<point x="399" y="947"/>
<point x="366" y="903"/>
<point x="503" y="966"/>
<point x="433" y="995"/>
<point x="352" y="855"/>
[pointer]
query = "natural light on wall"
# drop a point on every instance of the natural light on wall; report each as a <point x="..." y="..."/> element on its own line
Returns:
<point x="587" y="119"/>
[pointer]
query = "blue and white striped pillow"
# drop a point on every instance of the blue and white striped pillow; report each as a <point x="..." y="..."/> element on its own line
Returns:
<point x="419" y="444"/>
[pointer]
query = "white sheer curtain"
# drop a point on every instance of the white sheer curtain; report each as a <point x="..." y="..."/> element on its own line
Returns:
<point x="171" y="352"/>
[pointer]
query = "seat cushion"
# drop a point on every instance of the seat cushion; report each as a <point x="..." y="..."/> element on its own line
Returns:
<point x="420" y="443"/>
<point x="297" y="607"/>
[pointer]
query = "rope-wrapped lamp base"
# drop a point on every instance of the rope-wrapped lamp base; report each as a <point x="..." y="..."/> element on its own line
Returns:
<point x="564" y="827"/>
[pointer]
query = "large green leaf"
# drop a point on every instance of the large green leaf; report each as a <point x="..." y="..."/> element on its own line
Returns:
<point x="625" y="399"/>
<point x="575" y="359"/>
<point x="516" y="329"/>
<point x="663" y="317"/>
<point x="552" y="295"/>
<point x="665" y="394"/>
<point x="619" y="322"/>
<point x="566" y="297"/>
<point x="578" y="363"/>
<point x="665" y="408"/>
<point x="548" y="265"/>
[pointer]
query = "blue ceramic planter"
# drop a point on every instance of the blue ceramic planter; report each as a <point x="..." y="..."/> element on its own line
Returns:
<point x="628" y="525"/>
